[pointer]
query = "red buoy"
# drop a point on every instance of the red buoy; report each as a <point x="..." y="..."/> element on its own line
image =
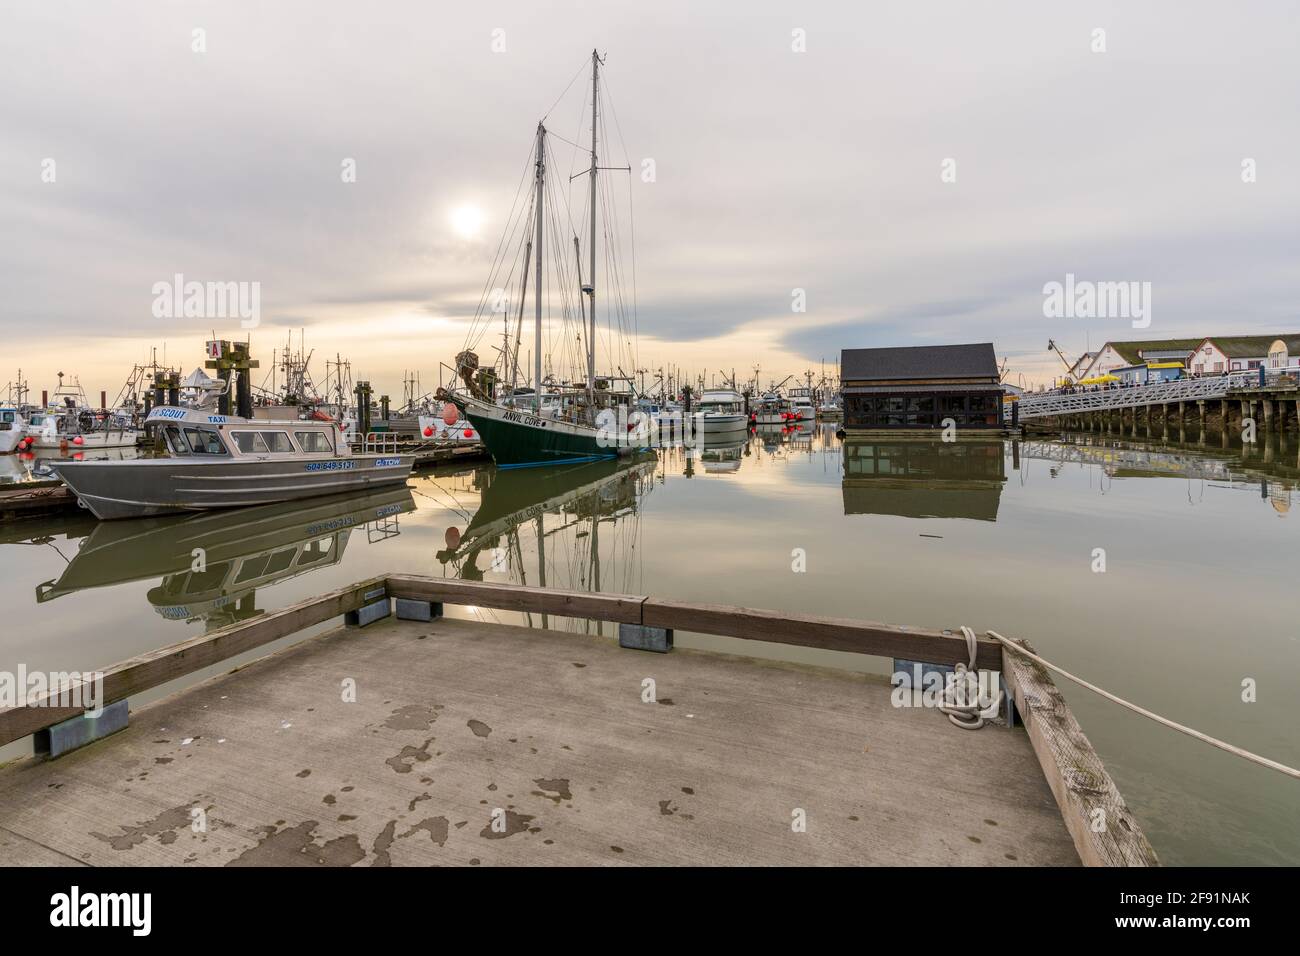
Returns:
<point x="469" y="433"/>
<point x="450" y="413"/>
<point x="428" y="431"/>
<point x="78" y="440"/>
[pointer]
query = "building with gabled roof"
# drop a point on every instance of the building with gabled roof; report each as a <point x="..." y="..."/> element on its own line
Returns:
<point x="921" y="386"/>
<point x="1240" y="353"/>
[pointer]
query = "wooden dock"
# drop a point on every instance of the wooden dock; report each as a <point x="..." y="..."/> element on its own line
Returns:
<point x="472" y="742"/>
<point x="35" y="499"/>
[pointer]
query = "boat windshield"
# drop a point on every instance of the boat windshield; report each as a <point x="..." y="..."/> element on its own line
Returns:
<point x="204" y="441"/>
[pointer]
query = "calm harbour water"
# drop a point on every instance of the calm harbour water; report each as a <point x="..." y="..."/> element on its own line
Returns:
<point x="1198" y="593"/>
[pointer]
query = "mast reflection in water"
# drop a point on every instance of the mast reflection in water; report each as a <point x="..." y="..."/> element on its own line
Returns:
<point x="547" y="529"/>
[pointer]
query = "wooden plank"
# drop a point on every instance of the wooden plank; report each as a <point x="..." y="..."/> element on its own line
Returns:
<point x="622" y="608"/>
<point x="168" y="663"/>
<point x="826" y="633"/>
<point x="1104" y="831"/>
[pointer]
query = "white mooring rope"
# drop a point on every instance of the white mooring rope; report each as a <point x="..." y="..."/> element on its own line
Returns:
<point x="1174" y="725"/>
<point x="961" y="695"/>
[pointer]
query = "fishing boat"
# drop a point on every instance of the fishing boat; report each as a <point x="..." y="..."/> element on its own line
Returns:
<point x="225" y="461"/>
<point x="558" y="421"/>
<point x="67" y="429"/>
<point x="13" y="430"/>
<point x="772" y="409"/>
<point x="801" y="405"/>
<point x="722" y="411"/>
<point x="830" y="411"/>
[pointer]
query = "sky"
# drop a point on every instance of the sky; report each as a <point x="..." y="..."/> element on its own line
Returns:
<point x="920" y="170"/>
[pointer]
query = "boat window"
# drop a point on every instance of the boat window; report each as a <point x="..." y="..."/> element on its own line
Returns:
<point x="281" y="560"/>
<point x="176" y="443"/>
<point x="277" y="441"/>
<point x="8" y="416"/>
<point x="253" y="568"/>
<point x="313" y="441"/>
<point x="248" y="442"/>
<point x="203" y="441"/>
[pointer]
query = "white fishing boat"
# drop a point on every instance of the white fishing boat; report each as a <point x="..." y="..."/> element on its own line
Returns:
<point x="224" y="461"/>
<point x="801" y="405"/>
<point x="13" y="430"/>
<point x="722" y="411"/>
<point x="434" y="428"/>
<point x="76" y="429"/>
<point x="772" y="409"/>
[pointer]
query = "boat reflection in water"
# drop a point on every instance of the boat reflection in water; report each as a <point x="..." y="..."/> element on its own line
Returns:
<point x="923" y="478"/>
<point x="242" y="550"/>
<point x="574" y="527"/>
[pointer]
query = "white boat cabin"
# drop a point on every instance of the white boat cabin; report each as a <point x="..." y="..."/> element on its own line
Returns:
<point x="193" y="433"/>
<point x="721" y="400"/>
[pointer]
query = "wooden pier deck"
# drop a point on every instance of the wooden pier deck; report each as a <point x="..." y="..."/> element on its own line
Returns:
<point x="35" y="499"/>
<point x="456" y="720"/>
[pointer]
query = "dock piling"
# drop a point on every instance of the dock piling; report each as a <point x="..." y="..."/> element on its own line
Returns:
<point x="640" y="637"/>
<point x="80" y="730"/>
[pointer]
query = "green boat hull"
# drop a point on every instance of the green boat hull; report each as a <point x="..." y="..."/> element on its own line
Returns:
<point x="519" y="444"/>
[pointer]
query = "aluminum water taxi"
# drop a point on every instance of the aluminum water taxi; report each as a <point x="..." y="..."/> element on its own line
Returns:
<point x="224" y="461"/>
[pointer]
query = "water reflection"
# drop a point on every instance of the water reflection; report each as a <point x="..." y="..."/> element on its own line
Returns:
<point x="211" y="564"/>
<point x="1269" y="467"/>
<point x="548" y="528"/>
<point x="924" y="478"/>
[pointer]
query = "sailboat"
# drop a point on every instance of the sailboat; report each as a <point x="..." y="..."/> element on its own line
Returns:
<point x="553" y="421"/>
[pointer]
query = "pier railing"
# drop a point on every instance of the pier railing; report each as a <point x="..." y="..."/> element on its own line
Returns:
<point x="1080" y="399"/>
<point x="1083" y="790"/>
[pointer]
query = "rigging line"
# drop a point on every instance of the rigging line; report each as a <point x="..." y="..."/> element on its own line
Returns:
<point x="501" y="244"/>
<point x="522" y="216"/>
<point x="581" y="70"/>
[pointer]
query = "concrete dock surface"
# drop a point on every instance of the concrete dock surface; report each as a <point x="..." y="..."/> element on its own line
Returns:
<point x="475" y="743"/>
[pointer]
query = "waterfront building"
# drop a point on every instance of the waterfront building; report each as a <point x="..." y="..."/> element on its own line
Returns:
<point x="1117" y="355"/>
<point x="918" y="387"/>
<point x="1241" y="353"/>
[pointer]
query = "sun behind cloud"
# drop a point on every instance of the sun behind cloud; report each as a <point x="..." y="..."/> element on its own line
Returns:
<point x="466" y="220"/>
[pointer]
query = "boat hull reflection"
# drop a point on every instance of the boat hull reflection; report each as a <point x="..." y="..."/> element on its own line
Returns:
<point x="211" y="562"/>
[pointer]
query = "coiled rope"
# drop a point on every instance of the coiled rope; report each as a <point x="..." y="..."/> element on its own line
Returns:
<point x="1165" y="721"/>
<point x="961" y="695"/>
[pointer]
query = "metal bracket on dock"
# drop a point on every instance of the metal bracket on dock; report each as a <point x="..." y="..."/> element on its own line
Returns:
<point x="639" y="637"/>
<point x="408" y="610"/>
<point x="81" y="730"/>
<point x="374" y="611"/>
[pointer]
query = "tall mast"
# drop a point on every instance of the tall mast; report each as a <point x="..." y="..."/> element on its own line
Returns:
<point x="537" y="282"/>
<point x="591" y="287"/>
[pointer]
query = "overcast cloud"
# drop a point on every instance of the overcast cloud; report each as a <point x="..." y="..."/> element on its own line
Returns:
<point x="776" y="170"/>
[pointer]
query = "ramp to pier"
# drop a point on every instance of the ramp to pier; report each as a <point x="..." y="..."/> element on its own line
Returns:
<point x="459" y="722"/>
